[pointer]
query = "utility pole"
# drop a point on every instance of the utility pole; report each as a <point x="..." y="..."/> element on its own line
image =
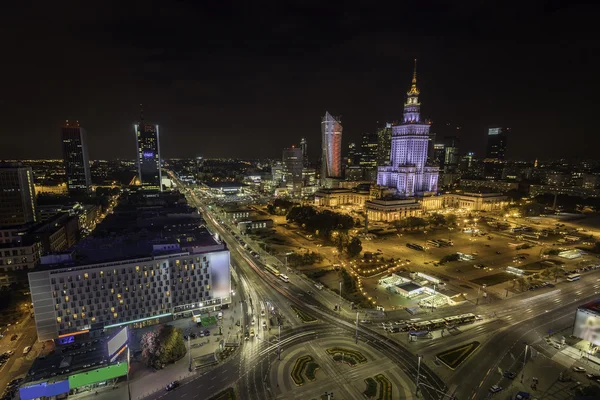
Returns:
<point x="279" y="344"/>
<point x="356" y="338"/>
<point x="432" y="300"/>
<point x="340" y="308"/>
<point x="189" y="355"/>
<point x="524" y="360"/>
<point x="418" y="374"/>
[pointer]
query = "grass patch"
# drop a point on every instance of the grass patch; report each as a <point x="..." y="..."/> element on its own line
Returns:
<point x="452" y="358"/>
<point x="371" y="390"/>
<point x="385" y="387"/>
<point x="494" y="279"/>
<point x="227" y="394"/>
<point x="304" y="317"/>
<point x="206" y="321"/>
<point x="349" y="356"/>
<point x="311" y="369"/>
<point x="301" y="362"/>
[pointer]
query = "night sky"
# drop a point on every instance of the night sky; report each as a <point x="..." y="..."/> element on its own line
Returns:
<point x="249" y="79"/>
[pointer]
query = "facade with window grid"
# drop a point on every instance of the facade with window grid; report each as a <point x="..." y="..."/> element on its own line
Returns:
<point x="94" y="297"/>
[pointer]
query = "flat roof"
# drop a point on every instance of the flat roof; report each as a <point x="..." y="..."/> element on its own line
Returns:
<point x="409" y="286"/>
<point x="592" y="306"/>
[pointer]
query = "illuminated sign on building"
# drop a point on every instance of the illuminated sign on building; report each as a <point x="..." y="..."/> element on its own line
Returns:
<point x="494" y="131"/>
<point x="148" y="154"/>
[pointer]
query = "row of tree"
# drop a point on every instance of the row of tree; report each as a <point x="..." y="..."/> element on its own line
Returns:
<point x="322" y="223"/>
<point x="433" y="220"/>
<point x="308" y="258"/>
<point x="343" y="242"/>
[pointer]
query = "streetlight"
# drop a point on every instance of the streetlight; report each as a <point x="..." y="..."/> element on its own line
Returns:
<point x="524" y="360"/>
<point x="329" y="395"/>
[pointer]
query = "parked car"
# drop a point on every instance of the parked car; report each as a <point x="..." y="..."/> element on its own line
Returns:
<point x="578" y="369"/>
<point x="26" y="350"/>
<point x="171" y="386"/>
<point x="495" y="389"/>
<point x="510" y="375"/>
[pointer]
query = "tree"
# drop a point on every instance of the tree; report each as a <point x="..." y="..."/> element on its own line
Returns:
<point x="162" y="345"/>
<point x="341" y="240"/>
<point x="436" y="219"/>
<point x="557" y="271"/>
<point x="522" y="282"/>
<point x="451" y="219"/>
<point x="354" y="247"/>
<point x="450" y="257"/>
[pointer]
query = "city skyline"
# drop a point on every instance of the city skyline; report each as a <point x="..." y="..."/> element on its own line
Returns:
<point x="271" y="79"/>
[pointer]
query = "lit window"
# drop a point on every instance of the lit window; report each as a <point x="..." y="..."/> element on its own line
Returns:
<point x="114" y="315"/>
<point x="58" y="319"/>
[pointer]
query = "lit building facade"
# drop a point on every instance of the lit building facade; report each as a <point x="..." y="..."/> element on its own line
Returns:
<point x="408" y="171"/>
<point x="76" y="159"/>
<point x="495" y="156"/>
<point x="148" y="156"/>
<point x="75" y="299"/>
<point x="331" y="141"/>
<point x="292" y="162"/>
<point x="17" y="196"/>
<point x="384" y="144"/>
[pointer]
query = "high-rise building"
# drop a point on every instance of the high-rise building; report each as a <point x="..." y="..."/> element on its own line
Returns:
<point x="496" y="143"/>
<point x="369" y="150"/>
<point x="439" y="154"/>
<point x="148" y="156"/>
<point x="331" y="142"/>
<point x="353" y="156"/>
<point x="495" y="153"/>
<point x="304" y="147"/>
<point x="76" y="160"/>
<point x="292" y="161"/>
<point x="17" y="195"/>
<point x="384" y="144"/>
<point x="408" y="171"/>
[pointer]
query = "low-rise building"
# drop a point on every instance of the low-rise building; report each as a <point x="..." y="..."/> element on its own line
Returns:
<point x="255" y="225"/>
<point x="20" y="256"/>
<point x="340" y="197"/>
<point x="388" y="210"/>
<point x="476" y="201"/>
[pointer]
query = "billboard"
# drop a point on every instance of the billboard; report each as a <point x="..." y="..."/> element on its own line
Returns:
<point x="587" y="326"/>
<point x="44" y="389"/>
<point x="117" y="341"/>
<point x="98" y="375"/>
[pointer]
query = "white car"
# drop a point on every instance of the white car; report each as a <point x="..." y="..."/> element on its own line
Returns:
<point x="26" y="350"/>
<point x="578" y="369"/>
<point x="495" y="389"/>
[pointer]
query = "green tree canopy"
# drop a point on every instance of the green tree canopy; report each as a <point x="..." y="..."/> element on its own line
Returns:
<point x="163" y="345"/>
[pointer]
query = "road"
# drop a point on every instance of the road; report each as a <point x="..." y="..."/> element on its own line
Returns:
<point x="259" y="284"/>
<point x="16" y="365"/>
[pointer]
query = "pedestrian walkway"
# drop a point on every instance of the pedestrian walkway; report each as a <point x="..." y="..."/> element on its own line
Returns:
<point x="145" y="381"/>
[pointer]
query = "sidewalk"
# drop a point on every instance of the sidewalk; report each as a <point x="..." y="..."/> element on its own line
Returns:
<point x="145" y="381"/>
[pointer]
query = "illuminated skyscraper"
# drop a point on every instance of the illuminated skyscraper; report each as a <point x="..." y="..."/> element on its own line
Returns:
<point x="148" y="155"/>
<point x="304" y="148"/>
<point x="408" y="172"/>
<point x="331" y="134"/>
<point x="75" y="154"/>
<point x="17" y="195"/>
<point x="495" y="153"/>
<point x="292" y="169"/>
<point x="384" y="144"/>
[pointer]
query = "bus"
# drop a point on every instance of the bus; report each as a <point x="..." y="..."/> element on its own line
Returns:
<point x="438" y="323"/>
<point x="434" y="243"/>
<point x="284" y="278"/>
<point x="465" y="257"/>
<point x="445" y="243"/>
<point x="415" y="246"/>
<point x="573" y="277"/>
<point x="272" y="270"/>
<point x="468" y="318"/>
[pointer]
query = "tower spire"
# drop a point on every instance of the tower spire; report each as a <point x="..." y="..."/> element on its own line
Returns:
<point x="414" y="80"/>
<point x="141" y="114"/>
<point x="413" y="87"/>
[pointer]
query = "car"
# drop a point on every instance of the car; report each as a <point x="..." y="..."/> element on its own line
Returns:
<point x="593" y="376"/>
<point x="578" y="369"/>
<point x="510" y="375"/>
<point x="246" y="336"/>
<point x="9" y="352"/>
<point x="192" y="335"/>
<point x="495" y="389"/>
<point x="498" y="252"/>
<point x="14" y="337"/>
<point x="171" y="386"/>
<point x="15" y="382"/>
<point x="207" y="333"/>
<point x="26" y="350"/>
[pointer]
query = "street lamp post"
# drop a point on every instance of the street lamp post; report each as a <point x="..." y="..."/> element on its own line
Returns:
<point x="189" y="355"/>
<point x="341" y="300"/>
<point x="524" y="360"/>
<point x="433" y="299"/>
<point x="356" y="338"/>
<point x="418" y="373"/>
<point x="279" y="343"/>
<point x="329" y="395"/>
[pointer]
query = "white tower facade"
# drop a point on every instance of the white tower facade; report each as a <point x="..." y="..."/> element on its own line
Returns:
<point x="408" y="171"/>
